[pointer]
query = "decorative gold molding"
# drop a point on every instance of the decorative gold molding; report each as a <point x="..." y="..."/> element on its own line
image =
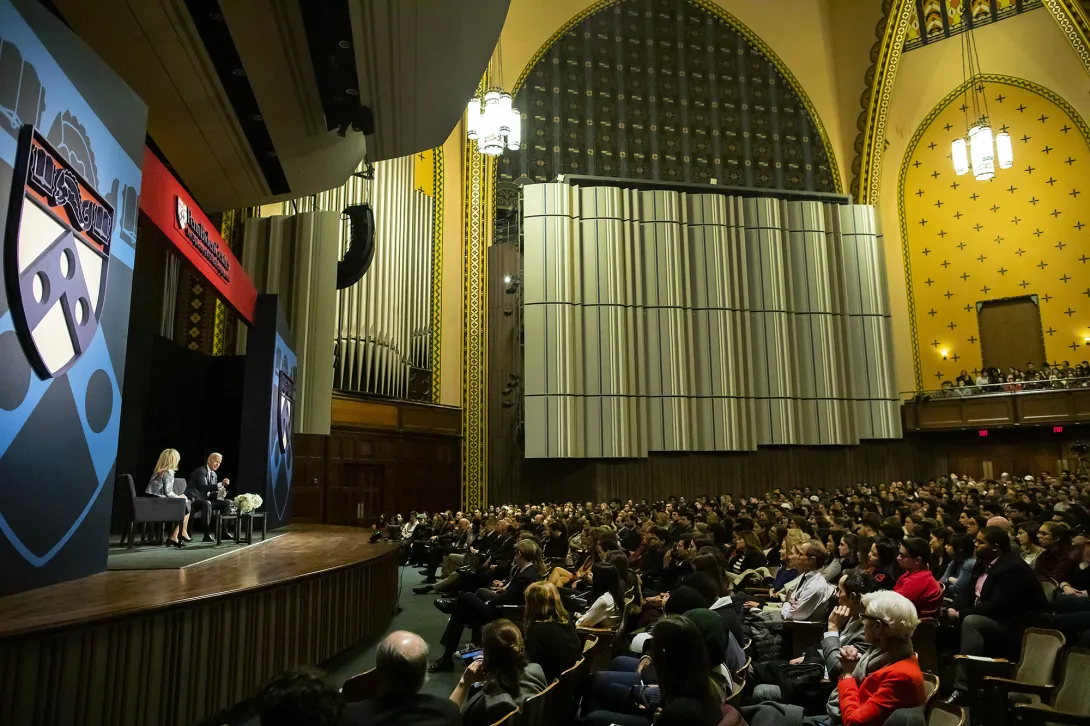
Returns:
<point x="1074" y="24"/>
<point x="436" y="352"/>
<point x="480" y="197"/>
<point x="755" y="40"/>
<point x="870" y="143"/>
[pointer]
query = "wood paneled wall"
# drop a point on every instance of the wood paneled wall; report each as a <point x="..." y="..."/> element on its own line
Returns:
<point x="180" y="666"/>
<point x="381" y="457"/>
<point x="917" y="456"/>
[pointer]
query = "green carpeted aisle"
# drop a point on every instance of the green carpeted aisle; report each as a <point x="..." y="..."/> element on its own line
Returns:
<point x="419" y="616"/>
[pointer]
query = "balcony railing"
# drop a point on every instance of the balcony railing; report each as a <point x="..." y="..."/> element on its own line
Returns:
<point x="997" y="405"/>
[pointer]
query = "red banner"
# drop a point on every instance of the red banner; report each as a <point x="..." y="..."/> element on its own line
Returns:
<point x="174" y="212"/>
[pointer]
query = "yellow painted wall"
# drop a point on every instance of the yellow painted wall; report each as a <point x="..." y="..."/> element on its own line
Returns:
<point x="1013" y="47"/>
<point x="450" y="374"/>
<point x="1022" y="233"/>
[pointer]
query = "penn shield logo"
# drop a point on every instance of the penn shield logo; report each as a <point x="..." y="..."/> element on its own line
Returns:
<point x="285" y="403"/>
<point x="56" y="256"/>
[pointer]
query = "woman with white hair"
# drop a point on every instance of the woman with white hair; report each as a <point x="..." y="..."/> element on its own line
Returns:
<point x="872" y="686"/>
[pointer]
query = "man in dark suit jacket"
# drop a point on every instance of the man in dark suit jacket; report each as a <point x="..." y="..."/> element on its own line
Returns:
<point x="1009" y="598"/>
<point x="471" y="609"/>
<point x="400" y="666"/>
<point x="202" y="489"/>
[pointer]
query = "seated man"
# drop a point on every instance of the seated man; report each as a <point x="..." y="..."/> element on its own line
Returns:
<point x="446" y="544"/>
<point x="1002" y="600"/>
<point x="917" y="583"/>
<point x="401" y="665"/>
<point x="203" y="491"/>
<point x="812" y="590"/>
<point x="474" y="609"/>
<point x="299" y="697"/>
<point x="494" y="557"/>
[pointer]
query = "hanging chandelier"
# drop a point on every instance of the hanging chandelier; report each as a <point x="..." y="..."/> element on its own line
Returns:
<point x="491" y="120"/>
<point x="494" y="123"/>
<point x="979" y="149"/>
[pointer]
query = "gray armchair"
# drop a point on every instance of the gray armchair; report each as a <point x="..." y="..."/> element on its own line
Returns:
<point x="142" y="510"/>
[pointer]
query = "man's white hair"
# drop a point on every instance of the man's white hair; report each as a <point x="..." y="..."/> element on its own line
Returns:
<point x="215" y="455"/>
<point x="893" y="609"/>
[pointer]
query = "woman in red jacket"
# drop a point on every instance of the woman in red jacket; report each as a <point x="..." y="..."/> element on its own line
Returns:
<point x="887" y="677"/>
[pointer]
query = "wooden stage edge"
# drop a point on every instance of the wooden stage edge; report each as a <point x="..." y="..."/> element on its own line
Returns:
<point x="174" y="647"/>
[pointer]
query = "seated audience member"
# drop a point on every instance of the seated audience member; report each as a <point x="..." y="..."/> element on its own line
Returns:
<point x="202" y="488"/>
<point x="445" y="545"/>
<point x="999" y="604"/>
<point x="472" y="609"/>
<point x="551" y="640"/>
<point x="1027" y="541"/>
<point x="401" y="665"/>
<point x="630" y="581"/>
<point x="723" y="607"/>
<point x="162" y="485"/>
<point x="299" y="697"/>
<point x="940" y="558"/>
<point x="812" y="590"/>
<point x="606" y="598"/>
<point x="880" y="559"/>
<point x="845" y="627"/>
<point x="747" y="553"/>
<point x="682" y="684"/>
<point x="917" y="583"/>
<point x="651" y="566"/>
<point x="789" y="573"/>
<point x="556" y="544"/>
<point x="959" y="573"/>
<point x="872" y="686"/>
<point x="1054" y="562"/>
<point x="500" y="680"/>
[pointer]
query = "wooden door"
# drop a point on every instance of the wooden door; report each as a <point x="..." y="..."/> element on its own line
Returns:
<point x="354" y="496"/>
<point x="1010" y="333"/>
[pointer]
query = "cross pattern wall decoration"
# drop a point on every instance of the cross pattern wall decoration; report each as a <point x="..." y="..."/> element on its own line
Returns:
<point x="665" y="90"/>
<point x="1022" y="233"/>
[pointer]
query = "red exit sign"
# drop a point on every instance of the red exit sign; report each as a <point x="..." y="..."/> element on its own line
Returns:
<point x="983" y="432"/>
<point x="1057" y="429"/>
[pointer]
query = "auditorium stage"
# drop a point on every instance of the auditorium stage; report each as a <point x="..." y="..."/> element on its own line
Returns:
<point x="176" y="646"/>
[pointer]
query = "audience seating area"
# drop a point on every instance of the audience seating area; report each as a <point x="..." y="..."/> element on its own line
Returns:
<point x="804" y="602"/>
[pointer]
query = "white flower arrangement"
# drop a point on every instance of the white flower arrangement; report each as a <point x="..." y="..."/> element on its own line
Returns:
<point x="247" y="503"/>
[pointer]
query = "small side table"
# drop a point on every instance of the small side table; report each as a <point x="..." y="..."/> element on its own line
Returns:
<point x="248" y="519"/>
<point x="221" y="518"/>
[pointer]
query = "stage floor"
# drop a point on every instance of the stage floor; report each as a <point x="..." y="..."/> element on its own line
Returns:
<point x="302" y="551"/>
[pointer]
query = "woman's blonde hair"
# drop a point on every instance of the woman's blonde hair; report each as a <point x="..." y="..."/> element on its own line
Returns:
<point x="543" y="605"/>
<point x="168" y="461"/>
<point x="793" y="539"/>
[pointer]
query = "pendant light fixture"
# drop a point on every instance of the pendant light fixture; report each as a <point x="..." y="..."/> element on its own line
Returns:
<point x="979" y="150"/>
<point x="491" y="120"/>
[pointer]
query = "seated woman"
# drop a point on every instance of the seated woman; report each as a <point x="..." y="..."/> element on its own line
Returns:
<point x="606" y="598"/>
<point x="500" y="681"/>
<point x="682" y="684"/>
<point x="551" y="640"/>
<point x="959" y="573"/>
<point x="162" y="485"/>
<point x="630" y="581"/>
<point x="747" y="554"/>
<point x="872" y="686"/>
<point x="880" y="560"/>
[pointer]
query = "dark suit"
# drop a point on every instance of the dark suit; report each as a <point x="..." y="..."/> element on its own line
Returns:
<point x="417" y="710"/>
<point x="478" y="608"/>
<point x="1009" y="599"/>
<point x="201" y="490"/>
<point x="630" y="539"/>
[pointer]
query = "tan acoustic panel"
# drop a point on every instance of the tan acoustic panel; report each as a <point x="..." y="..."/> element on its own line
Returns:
<point x="666" y="321"/>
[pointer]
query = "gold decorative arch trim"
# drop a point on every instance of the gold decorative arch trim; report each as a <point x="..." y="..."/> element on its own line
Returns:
<point x="436" y="352"/>
<point x="744" y="30"/>
<point x="870" y="143"/>
<point x="906" y="161"/>
<point x="1074" y="24"/>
